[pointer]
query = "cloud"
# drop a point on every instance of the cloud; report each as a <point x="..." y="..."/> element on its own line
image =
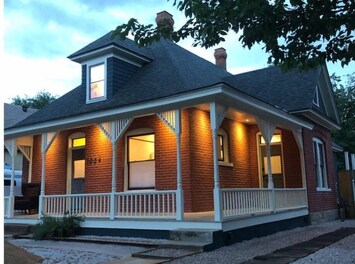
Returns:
<point x="27" y="76"/>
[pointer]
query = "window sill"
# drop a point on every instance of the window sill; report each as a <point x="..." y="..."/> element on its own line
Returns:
<point x="323" y="189"/>
<point x="225" y="164"/>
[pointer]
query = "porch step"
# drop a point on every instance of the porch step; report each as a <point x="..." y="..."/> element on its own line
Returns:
<point x="18" y="229"/>
<point x="191" y="235"/>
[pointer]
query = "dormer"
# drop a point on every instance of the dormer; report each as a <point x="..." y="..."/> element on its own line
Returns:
<point x="107" y="64"/>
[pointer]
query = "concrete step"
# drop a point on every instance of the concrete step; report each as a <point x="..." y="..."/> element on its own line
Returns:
<point x="191" y="235"/>
<point x="18" y="229"/>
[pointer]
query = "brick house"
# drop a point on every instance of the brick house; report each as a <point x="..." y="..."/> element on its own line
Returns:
<point x="160" y="133"/>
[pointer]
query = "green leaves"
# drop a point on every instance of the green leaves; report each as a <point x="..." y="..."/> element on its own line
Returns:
<point x="295" y="33"/>
<point x="40" y="100"/>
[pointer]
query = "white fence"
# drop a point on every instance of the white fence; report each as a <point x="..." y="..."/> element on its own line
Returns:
<point x="241" y="202"/>
<point x="6" y="206"/>
<point x="88" y="205"/>
<point x="155" y="204"/>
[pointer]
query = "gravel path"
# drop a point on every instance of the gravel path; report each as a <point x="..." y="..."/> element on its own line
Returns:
<point x="74" y="252"/>
<point x="341" y="252"/>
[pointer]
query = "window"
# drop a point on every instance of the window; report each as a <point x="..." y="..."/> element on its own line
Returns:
<point x="276" y="159"/>
<point x="141" y="162"/>
<point x="96" y="84"/>
<point x="316" y="97"/>
<point x="320" y="164"/>
<point x="223" y="153"/>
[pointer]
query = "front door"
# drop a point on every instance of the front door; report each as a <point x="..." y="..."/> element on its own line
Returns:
<point x="76" y="165"/>
<point x="276" y="162"/>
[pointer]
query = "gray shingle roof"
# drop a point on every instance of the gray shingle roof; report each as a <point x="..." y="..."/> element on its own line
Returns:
<point x="290" y="91"/>
<point x="173" y="70"/>
<point x="106" y="40"/>
<point x="13" y="114"/>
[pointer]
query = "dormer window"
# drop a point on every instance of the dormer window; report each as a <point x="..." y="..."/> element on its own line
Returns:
<point x="316" y="97"/>
<point x="96" y="87"/>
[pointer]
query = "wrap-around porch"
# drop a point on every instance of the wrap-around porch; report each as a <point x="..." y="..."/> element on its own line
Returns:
<point x="228" y="203"/>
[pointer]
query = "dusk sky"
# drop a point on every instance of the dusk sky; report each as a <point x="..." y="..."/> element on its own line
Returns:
<point x="40" y="34"/>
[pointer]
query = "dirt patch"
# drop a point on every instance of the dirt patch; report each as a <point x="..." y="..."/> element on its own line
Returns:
<point x="16" y="255"/>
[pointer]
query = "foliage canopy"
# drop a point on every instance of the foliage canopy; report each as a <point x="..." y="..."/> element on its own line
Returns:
<point x="40" y="100"/>
<point x="296" y="33"/>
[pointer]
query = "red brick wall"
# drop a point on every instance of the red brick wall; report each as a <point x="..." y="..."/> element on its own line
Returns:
<point x="25" y="168"/>
<point x="253" y="156"/>
<point x="201" y="162"/>
<point x="319" y="201"/>
<point x="291" y="160"/>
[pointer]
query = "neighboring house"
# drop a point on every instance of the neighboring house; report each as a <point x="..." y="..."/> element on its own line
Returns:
<point x="13" y="114"/>
<point x="157" y="134"/>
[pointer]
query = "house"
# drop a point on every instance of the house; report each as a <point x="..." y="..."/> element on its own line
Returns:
<point x="13" y="114"/>
<point x="157" y="138"/>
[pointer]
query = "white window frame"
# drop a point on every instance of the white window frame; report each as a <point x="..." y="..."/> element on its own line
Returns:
<point x="226" y="162"/>
<point x="89" y="65"/>
<point x="316" y="96"/>
<point x="321" y="176"/>
<point x="135" y="132"/>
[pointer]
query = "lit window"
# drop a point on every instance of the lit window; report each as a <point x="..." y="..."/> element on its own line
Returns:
<point x="141" y="162"/>
<point x="316" y="97"/>
<point x="222" y="138"/>
<point x="275" y="139"/>
<point x="320" y="163"/>
<point x="97" y="81"/>
<point x="79" y="142"/>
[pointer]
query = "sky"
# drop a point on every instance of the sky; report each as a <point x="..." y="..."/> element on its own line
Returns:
<point x="40" y="34"/>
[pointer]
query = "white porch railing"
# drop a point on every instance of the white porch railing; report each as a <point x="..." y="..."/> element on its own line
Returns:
<point x="88" y="205"/>
<point x="6" y="206"/>
<point x="245" y="201"/>
<point x="290" y="198"/>
<point x="241" y="202"/>
<point x="154" y="204"/>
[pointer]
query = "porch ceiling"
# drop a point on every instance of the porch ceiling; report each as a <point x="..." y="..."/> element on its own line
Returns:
<point x="234" y="114"/>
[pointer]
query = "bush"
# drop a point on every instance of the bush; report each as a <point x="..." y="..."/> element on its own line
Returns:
<point x="57" y="226"/>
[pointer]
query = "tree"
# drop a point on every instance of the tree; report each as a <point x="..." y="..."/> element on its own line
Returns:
<point x="296" y="33"/>
<point x="40" y="100"/>
<point x="345" y="99"/>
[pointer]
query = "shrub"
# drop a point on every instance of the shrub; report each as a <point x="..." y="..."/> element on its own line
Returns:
<point x="57" y="226"/>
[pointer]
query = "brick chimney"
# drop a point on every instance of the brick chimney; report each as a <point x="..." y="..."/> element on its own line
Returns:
<point x="165" y="20"/>
<point x="220" y="55"/>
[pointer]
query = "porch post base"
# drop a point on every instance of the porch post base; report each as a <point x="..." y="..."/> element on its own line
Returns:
<point x="40" y="207"/>
<point x="179" y="205"/>
<point x="11" y="206"/>
<point x="217" y="197"/>
<point x="112" y="206"/>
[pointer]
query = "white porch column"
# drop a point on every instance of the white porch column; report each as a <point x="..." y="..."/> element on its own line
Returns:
<point x="217" y="114"/>
<point x="267" y="131"/>
<point x="47" y="140"/>
<point x="27" y="152"/>
<point x="299" y="140"/>
<point x="173" y="120"/>
<point x="12" y="148"/>
<point x="113" y="131"/>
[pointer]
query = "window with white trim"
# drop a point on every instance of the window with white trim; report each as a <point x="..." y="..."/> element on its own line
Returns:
<point x="96" y="86"/>
<point x="223" y="153"/>
<point x="320" y="164"/>
<point x="141" y="161"/>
